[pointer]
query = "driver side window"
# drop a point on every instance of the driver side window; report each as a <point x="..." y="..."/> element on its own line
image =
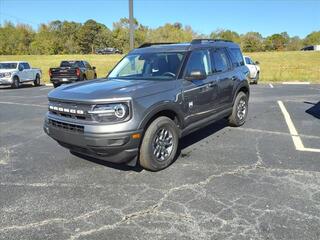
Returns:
<point x="199" y="61"/>
<point x="20" y="67"/>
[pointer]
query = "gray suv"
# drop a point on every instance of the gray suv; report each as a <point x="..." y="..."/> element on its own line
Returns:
<point x="155" y="95"/>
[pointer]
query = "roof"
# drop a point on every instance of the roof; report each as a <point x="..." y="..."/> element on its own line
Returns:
<point x="183" y="47"/>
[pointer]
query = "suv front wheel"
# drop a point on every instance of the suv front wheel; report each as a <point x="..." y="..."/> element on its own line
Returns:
<point x="239" y="110"/>
<point x="159" y="145"/>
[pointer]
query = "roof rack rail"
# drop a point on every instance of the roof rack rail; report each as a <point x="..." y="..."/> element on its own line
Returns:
<point x="151" y="44"/>
<point x="203" y="40"/>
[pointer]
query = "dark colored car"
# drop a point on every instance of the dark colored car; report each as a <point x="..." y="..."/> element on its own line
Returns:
<point x="109" y="51"/>
<point x="155" y="95"/>
<point x="71" y="71"/>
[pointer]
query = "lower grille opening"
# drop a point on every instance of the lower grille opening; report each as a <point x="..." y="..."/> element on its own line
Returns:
<point x="66" y="126"/>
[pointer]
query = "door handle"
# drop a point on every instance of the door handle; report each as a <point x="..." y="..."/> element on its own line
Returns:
<point x="211" y="84"/>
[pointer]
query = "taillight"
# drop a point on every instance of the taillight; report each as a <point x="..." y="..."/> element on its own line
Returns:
<point x="50" y="73"/>
<point x="78" y="72"/>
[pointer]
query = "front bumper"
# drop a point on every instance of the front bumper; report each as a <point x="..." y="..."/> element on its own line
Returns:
<point x="5" y="81"/>
<point x="112" y="147"/>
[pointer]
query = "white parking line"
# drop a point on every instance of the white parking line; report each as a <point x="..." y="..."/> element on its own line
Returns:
<point x="293" y="131"/>
<point x="45" y="88"/>
<point x="24" y="104"/>
<point x="296" y="83"/>
<point x="270" y="85"/>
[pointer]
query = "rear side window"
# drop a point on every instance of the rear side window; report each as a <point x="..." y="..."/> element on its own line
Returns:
<point x="199" y="61"/>
<point x="237" y="54"/>
<point x="87" y="65"/>
<point x="220" y="60"/>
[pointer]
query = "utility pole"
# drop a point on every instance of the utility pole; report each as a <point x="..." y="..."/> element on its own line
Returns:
<point x="131" y="32"/>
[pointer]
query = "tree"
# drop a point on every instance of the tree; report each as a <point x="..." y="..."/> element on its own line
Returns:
<point x="92" y="35"/>
<point x="295" y="44"/>
<point x="252" y="42"/>
<point x="226" y="35"/>
<point x="312" y="39"/>
<point x="276" y="42"/>
<point x="15" y="39"/>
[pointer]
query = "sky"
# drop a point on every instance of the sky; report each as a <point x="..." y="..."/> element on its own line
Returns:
<point x="298" y="18"/>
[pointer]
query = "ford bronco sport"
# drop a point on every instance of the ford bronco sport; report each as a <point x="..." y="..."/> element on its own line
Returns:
<point x="155" y="95"/>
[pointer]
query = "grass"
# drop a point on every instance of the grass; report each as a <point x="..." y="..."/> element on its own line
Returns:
<point x="275" y="66"/>
<point x="288" y="66"/>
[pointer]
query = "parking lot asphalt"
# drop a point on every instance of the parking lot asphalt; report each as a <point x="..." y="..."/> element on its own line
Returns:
<point x="250" y="182"/>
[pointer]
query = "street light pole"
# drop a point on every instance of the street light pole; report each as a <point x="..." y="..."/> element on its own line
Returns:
<point x="131" y="32"/>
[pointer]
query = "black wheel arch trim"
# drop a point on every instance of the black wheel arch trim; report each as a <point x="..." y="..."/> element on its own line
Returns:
<point x="161" y="107"/>
<point x="243" y="84"/>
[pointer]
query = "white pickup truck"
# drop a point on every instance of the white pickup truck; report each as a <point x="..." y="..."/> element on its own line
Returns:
<point x="15" y="73"/>
<point x="254" y="69"/>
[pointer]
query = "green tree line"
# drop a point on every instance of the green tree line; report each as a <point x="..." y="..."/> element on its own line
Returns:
<point x="65" y="37"/>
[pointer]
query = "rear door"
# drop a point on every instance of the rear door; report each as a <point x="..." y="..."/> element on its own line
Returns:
<point x="225" y="76"/>
<point x="199" y="95"/>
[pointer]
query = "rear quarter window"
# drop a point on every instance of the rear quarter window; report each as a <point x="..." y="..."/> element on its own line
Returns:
<point x="237" y="55"/>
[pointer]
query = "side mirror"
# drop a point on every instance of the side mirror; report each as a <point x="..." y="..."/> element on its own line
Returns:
<point x="257" y="63"/>
<point x="196" y="75"/>
<point x="20" y="69"/>
<point x="94" y="68"/>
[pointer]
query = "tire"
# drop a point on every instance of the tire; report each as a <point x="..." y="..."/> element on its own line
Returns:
<point x="55" y="85"/>
<point x="15" y="83"/>
<point x="36" y="82"/>
<point x="84" y="78"/>
<point x="257" y="78"/>
<point x="157" y="137"/>
<point x="239" y="110"/>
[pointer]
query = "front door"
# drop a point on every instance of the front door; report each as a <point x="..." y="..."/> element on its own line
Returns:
<point x="23" y="73"/>
<point x="199" y="95"/>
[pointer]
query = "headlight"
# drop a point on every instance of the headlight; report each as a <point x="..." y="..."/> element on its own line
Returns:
<point x="7" y="74"/>
<point x="113" y="112"/>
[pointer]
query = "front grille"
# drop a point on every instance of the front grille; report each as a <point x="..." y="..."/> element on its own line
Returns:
<point x="66" y="126"/>
<point x="70" y="110"/>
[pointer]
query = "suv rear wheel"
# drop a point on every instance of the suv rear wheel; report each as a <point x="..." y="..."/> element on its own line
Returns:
<point x="239" y="111"/>
<point x="159" y="145"/>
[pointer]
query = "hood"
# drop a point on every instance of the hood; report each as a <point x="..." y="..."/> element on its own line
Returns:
<point x="7" y="70"/>
<point x="100" y="89"/>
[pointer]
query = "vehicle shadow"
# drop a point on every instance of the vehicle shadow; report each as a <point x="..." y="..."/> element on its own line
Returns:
<point x="183" y="143"/>
<point x="314" y="110"/>
<point x="122" y="167"/>
<point x="20" y="87"/>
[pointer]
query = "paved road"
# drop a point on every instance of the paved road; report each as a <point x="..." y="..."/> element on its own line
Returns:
<point x="228" y="183"/>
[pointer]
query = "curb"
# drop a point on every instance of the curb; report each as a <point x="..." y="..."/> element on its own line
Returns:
<point x="49" y="84"/>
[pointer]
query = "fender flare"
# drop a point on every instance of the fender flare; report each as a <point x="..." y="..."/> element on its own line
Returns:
<point x="242" y="84"/>
<point x="160" y="107"/>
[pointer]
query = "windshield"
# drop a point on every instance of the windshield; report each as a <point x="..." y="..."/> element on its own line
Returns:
<point x="153" y="66"/>
<point x="8" y="65"/>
